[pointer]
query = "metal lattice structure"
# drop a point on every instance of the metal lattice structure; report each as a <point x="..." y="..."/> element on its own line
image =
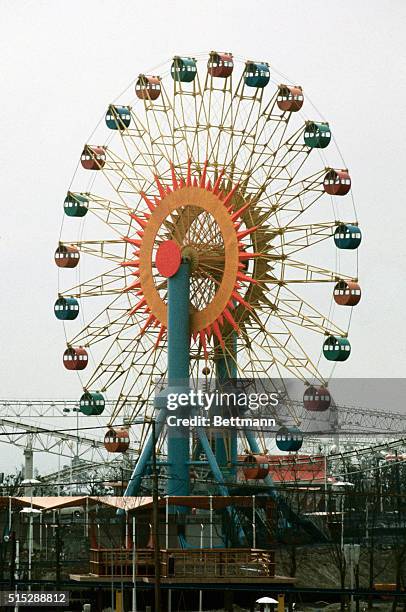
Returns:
<point x="212" y="157"/>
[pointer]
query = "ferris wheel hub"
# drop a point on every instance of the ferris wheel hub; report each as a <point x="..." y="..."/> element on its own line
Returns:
<point x="192" y="255"/>
<point x="168" y="258"/>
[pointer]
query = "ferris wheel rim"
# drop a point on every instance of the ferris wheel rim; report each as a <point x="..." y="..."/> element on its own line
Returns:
<point x="184" y="164"/>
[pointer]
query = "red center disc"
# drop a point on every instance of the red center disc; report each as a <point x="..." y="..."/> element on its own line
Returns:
<point x="168" y="258"/>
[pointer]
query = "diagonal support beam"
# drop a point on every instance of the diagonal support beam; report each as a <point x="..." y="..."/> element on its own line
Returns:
<point x="134" y="483"/>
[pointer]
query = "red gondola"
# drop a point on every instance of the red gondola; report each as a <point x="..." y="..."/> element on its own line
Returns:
<point x="67" y="256"/>
<point x="148" y="87"/>
<point x="290" y="98"/>
<point x="316" y="399"/>
<point x="93" y="158"/>
<point x="347" y="293"/>
<point x="117" y="440"/>
<point x="220" y="64"/>
<point x="337" y="182"/>
<point x="258" y="468"/>
<point x="75" y="358"/>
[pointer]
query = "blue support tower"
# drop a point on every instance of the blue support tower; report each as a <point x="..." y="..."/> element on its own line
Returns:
<point x="178" y="377"/>
<point x="226" y="368"/>
<point x="178" y="381"/>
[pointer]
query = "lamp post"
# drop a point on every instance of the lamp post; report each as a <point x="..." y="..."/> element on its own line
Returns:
<point x="31" y="512"/>
<point x="343" y="485"/>
<point x="211" y="519"/>
<point x="201" y="546"/>
<point x="254" y="539"/>
<point x="155" y="514"/>
<point x="77" y="410"/>
<point x="351" y="553"/>
<point x="56" y="526"/>
<point x="134" y="602"/>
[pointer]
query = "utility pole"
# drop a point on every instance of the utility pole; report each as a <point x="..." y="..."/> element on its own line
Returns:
<point x="155" y="523"/>
<point x="57" y="552"/>
<point x="13" y="560"/>
<point x="17" y="569"/>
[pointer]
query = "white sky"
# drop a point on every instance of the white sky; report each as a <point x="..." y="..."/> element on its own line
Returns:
<point x="62" y="62"/>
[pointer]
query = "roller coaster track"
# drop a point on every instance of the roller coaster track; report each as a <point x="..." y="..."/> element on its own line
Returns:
<point x="18" y="428"/>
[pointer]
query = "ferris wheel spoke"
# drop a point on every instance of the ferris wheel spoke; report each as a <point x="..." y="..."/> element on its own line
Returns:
<point x="102" y="284"/>
<point x="311" y="183"/>
<point x="138" y="138"/>
<point x="246" y="135"/>
<point x="226" y="133"/>
<point x="138" y="390"/>
<point x="311" y="273"/>
<point x="113" y="214"/>
<point x="239" y="125"/>
<point x="162" y="124"/>
<point x="285" y="163"/>
<point x="295" y="238"/>
<point x="185" y="108"/>
<point x="294" y="309"/>
<point x="126" y="173"/>
<point x="266" y="369"/>
<point x="122" y="353"/>
<point x="214" y="97"/>
<point x="114" y="320"/>
<point x="307" y="194"/>
<point x="202" y="131"/>
<point x="103" y="324"/>
<point x="104" y="249"/>
<point x="286" y="349"/>
<point x="269" y="136"/>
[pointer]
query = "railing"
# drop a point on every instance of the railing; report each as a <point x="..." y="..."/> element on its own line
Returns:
<point x="179" y="563"/>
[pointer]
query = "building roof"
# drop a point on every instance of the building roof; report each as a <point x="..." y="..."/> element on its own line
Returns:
<point x="127" y="503"/>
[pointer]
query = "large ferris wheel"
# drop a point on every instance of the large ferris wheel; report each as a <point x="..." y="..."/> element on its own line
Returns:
<point x="211" y="161"/>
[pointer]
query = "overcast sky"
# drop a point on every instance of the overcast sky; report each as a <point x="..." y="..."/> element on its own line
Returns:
<point x="62" y="62"/>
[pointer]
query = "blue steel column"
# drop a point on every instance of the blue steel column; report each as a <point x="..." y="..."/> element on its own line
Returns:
<point x="144" y="458"/>
<point x="226" y="368"/>
<point x="178" y="377"/>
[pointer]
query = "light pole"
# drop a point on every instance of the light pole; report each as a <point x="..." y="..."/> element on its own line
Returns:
<point x="351" y="552"/>
<point x="211" y="519"/>
<point x="343" y="485"/>
<point x="17" y="570"/>
<point x="254" y="539"/>
<point x="10" y="513"/>
<point x="201" y="546"/>
<point x="134" y="606"/>
<point x="155" y="514"/>
<point x="77" y="410"/>
<point x="31" y="512"/>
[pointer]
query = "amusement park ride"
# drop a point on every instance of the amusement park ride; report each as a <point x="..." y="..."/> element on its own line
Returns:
<point x="207" y="216"/>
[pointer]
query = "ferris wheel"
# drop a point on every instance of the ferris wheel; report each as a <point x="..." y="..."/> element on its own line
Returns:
<point x="211" y="160"/>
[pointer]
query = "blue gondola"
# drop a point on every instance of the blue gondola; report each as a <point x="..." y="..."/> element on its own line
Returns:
<point x="118" y="117"/>
<point x="347" y="236"/>
<point x="66" y="309"/>
<point x="92" y="403"/>
<point x="289" y="439"/>
<point x="256" y="74"/>
<point x="75" y="205"/>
